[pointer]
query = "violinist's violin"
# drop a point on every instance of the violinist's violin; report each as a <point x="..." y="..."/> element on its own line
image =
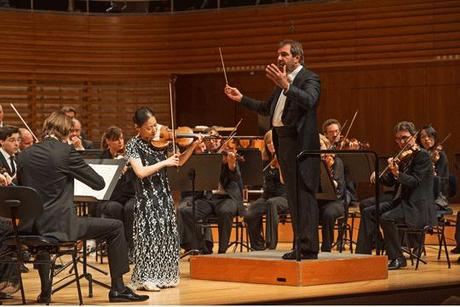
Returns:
<point x="184" y="137"/>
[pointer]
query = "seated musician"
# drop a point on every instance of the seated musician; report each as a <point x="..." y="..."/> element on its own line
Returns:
<point x="332" y="130"/>
<point x="225" y="203"/>
<point x="121" y="203"/>
<point x="76" y="138"/>
<point x="9" y="141"/>
<point x="272" y="202"/>
<point x="412" y="203"/>
<point x="428" y="139"/>
<point x="50" y="167"/>
<point x="330" y="210"/>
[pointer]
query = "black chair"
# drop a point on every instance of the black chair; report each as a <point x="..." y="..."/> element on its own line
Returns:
<point x="24" y="204"/>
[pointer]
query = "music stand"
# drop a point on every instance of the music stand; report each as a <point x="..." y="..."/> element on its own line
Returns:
<point x="110" y="170"/>
<point x="251" y="167"/>
<point x="326" y="188"/>
<point x="201" y="172"/>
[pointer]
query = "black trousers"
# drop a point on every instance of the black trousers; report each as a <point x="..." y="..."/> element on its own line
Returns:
<point x="123" y="212"/>
<point x="112" y="232"/>
<point x="368" y="225"/>
<point x="302" y="201"/>
<point x="270" y="207"/>
<point x="389" y="221"/>
<point x="329" y="212"/>
<point x="223" y="207"/>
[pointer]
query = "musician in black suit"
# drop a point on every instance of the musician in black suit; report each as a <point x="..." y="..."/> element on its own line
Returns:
<point x="9" y="140"/>
<point x="412" y="204"/>
<point x="50" y="167"/>
<point x="292" y="110"/>
<point x="225" y="203"/>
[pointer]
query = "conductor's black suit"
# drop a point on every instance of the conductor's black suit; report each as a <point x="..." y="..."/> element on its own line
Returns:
<point x="299" y="132"/>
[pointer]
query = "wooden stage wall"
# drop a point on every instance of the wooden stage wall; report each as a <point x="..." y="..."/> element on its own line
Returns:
<point x="390" y="59"/>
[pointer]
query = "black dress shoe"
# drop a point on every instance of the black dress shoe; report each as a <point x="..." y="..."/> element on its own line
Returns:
<point x="5" y="296"/>
<point x="397" y="263"/>
<point x="455" y="250"/>
<point x="291" y="256"/>
<point x="44" y="298"/>
<point x="127" y="295"/>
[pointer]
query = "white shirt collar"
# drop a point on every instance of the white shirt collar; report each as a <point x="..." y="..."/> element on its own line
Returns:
<point x="5" y="154"/>
<point x="294" y="73"/>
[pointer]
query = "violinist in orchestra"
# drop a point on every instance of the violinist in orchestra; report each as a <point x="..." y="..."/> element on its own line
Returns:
<point x="428" y="139"/>
<point x="25" y="139"/>
<point x="225" y="202"/>
<point x="411" y="173"/>
<point x="292" y="109"/>
<point x="50" y="167"/>
<point x="272" y="202"/>
<point x="332" y="130"/>
<point x="156" y="238"/>
<point x="121" y="203"/>
<point x="330" y="210"/>
<point x="9" y="141"/>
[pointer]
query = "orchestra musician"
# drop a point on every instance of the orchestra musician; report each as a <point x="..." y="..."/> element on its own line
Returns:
<point x="412" y="176"/>
<point x="292" y="110"/>
<point x="225" y="203"/>
<point x="50" y="167"/>
<point x="9" y="141"/>
<point x="428" y="139"/>
<point x="156" y="238"/>
<point x="121" y="203"/>
<point x="330" y="210"/>
<point x="272" y="202"/>
<point x="25" y="139"/>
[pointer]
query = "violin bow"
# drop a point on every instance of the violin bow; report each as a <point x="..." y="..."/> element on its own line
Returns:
<point x="445" y="139"/>
<point x="349" y="128"/>
<point x="24" y="122"/>
<point x="171" y="81"/>
<point x="223" y="65"/>
<point x="399" y="153"/>
<point x="230" y="136"/>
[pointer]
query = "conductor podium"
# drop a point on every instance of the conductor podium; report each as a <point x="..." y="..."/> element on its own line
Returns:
<point x="267" y="267"/>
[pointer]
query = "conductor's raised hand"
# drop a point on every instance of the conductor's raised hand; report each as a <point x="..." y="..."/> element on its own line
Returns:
<point x="233" y="93"/>
<point x="172" y="160"/>
<point x="278" y="76"/>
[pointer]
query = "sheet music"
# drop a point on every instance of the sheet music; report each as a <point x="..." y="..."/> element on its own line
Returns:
<point x="107" y="172"/>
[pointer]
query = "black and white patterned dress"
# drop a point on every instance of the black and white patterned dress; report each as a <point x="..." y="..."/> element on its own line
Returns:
<point x="156" y="238"/>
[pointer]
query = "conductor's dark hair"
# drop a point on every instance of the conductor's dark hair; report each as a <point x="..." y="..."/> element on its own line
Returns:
<point x="142" y="115"/>
<point x="296" y="48"/>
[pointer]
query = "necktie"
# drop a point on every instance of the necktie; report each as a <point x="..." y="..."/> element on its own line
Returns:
<point x="13" y="168"/>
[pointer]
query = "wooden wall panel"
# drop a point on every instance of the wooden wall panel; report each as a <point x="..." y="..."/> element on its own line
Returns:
<point x="389" y="59"/>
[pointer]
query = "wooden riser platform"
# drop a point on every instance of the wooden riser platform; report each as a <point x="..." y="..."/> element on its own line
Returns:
<point x="267" y="267"/>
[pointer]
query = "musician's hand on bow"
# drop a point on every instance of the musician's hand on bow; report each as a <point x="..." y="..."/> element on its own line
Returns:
<point x="279" y="77"/>
<point x="233" y="93"/>
<point x="393" y="166"/>
<point x="173" y="160"/>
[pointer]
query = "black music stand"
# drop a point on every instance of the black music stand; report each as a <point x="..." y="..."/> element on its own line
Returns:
<point x="251" y="167"/>
<point x="110" y="170"/>
<point x="200" y="173"/>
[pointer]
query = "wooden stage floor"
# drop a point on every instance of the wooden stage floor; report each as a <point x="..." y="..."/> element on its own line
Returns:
<point x="405" y="286"/>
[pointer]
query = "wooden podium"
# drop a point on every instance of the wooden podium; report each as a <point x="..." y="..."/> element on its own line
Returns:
<point x="267" y="267"/>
